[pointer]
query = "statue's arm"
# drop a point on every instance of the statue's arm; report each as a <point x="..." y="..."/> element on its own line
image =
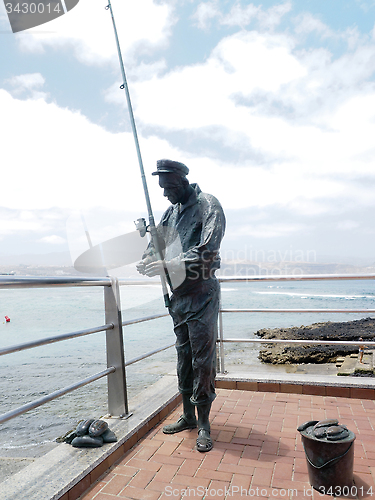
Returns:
<point x="213" y="228"/>
<point x="149" y="254"/>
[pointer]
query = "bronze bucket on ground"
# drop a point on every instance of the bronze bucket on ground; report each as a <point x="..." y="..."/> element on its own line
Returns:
<point x="329" y="450"/>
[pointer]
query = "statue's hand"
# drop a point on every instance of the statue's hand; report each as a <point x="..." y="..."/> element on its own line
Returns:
<point x="154" y="268"/>
<point x="141" y="266"/>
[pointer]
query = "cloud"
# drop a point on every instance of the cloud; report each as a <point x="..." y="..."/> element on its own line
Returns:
<point x="295" y="122"/>
<point x="307" y="114"/>
<point x="367" y="5"/>
<point x="30" y="223"/>
<point x="306" y="23"/>
<point x="29" y="83"/>
<point x="267" y="19"/>
<point x="56" y="157"/>
<point x="273" y="16"/>
<point x="347" y="225"/>
<point x="53" y="240"/>
<point x="241" y="16"/>
<point x="269" y="230"/>
<point x="87" y="31"/>
<point x="202" y="94"/>
<point x="205" y="12"/>
<point x="253" y="95"/>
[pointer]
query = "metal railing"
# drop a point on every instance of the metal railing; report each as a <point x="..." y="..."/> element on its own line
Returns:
<point x="277" y="278"/>
<point x="115" y="372"/>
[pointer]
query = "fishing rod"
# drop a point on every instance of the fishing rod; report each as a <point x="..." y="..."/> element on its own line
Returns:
<point x="152" y="228"/>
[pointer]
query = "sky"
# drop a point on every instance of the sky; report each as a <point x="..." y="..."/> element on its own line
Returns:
<point x="271" y="105"/>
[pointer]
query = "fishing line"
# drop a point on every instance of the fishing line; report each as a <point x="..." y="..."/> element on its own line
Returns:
<point x="152" y="228"/>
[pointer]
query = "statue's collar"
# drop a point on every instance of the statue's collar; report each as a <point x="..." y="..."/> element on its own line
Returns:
<point x="192" y="198"/>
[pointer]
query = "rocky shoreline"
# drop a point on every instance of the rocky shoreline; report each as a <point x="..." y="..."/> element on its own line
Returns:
<point x="287" y="354"/>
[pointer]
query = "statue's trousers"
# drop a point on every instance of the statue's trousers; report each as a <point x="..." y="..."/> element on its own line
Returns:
<point x="195" y="314"/>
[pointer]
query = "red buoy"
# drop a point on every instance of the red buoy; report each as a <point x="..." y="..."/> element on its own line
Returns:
<point x="7" y="319"/>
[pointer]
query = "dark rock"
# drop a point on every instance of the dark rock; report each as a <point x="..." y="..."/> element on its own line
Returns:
<point x="87" y="441"/>
<point x="97" y="428"/>
<point x="288" y="354"/>
<point x="109" y="436"/>
<point x="83" y="426"/>
<point x="67" y="438"/>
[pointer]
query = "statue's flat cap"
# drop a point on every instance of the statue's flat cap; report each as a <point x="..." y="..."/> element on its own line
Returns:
<point x="170" y="167"/>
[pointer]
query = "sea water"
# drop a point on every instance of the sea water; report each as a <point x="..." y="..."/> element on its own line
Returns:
<point x="39" y="313"/>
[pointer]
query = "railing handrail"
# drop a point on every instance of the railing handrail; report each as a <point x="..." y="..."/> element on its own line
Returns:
<point x="278" y="278"/>
<point x="147" y="355"/>
<point x="296" y="277"/>
<point x="47" y="282"/>
<point x="303" y="341"/>
<point x="52" y="340"/>
<point x="145" y="318"/>
<point x="54" y="395"/>
<point x="265" y="310"/>
<point x="51" y="281"/>
<point x="266" y="277"/>
<point x="18" y="282"/>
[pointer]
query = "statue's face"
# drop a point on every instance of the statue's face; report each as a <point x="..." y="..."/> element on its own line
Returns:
<point x="173" y="188"/>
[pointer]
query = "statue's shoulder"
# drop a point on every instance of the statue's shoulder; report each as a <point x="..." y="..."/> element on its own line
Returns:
<point x="209" y="199"/>
<point x="167" y="214"/>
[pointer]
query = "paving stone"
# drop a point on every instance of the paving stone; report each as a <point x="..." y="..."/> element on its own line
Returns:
<point x="260" y="449"/>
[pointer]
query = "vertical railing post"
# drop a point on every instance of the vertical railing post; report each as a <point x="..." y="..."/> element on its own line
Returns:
<point x="117" y="393"/>
<point x="221" y="338"/>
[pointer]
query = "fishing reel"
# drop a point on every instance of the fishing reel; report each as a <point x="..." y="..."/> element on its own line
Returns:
<point x="141" y="226"/>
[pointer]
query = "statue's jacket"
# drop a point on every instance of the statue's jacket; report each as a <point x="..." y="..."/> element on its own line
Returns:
<point x="190" y="237"/>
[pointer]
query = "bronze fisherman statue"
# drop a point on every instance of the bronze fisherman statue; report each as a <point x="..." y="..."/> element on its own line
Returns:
<point x="190" y="233"/>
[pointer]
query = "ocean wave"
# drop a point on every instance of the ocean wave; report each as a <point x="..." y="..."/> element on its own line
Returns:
<point x="5" y="446"/>
<point x="316" y="296"/>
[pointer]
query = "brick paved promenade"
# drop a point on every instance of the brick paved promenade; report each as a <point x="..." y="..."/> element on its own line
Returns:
<point x="257" y="452"/>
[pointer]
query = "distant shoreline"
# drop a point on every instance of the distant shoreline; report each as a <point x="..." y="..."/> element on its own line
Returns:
<point x="228" y="268"/>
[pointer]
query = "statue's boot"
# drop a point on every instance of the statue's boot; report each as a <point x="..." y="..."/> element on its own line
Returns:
<point x="204" y="441"/>
<point x="186" y="421"/>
